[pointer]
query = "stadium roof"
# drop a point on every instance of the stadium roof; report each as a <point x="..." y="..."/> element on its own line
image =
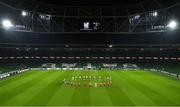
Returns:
<point x="92" y="3"/>
<point x="57" y="7"/>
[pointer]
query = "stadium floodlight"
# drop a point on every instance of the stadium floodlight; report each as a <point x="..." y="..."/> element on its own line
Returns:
<point x="6" y="23"/>
<point x="110" y="46"/>
<point x="24" y="13"/>
<point x="172" y="24"/>
<point x="155" y="14"/>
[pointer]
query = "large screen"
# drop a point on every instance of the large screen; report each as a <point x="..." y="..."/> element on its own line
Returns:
<point x="90" y="25"/>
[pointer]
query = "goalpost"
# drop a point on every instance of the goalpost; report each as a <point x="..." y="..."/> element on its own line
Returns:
<point x="130" y="67"/>
<point x="49" y="66"/>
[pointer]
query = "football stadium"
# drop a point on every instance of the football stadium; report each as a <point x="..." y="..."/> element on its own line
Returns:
<point x="89" y="53"/>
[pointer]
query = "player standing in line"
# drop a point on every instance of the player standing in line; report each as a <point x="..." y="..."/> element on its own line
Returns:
<point x="90" y="85"/>
<point x="96" y="85"/>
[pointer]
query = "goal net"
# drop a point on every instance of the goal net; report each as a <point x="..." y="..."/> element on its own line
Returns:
<point x="49" y="65"/>
<point x="130" y="67"/>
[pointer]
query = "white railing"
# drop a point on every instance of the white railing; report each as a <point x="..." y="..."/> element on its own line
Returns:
<point x="8" y="74"/>
<point x="166" y="73"/>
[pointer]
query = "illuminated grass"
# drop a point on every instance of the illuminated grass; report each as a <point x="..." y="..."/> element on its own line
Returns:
<point x="40" y="88"/>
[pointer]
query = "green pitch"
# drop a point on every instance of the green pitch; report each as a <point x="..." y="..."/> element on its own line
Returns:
<point x="39" y="88"/>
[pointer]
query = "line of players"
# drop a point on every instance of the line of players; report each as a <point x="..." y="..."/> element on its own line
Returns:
<point x="88" y="81"/>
